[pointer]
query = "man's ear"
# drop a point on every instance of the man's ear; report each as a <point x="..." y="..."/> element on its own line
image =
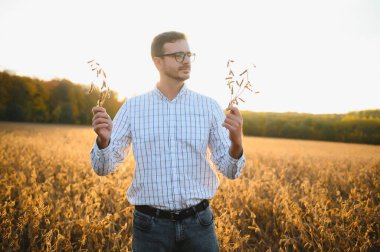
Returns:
<point x="157" y="62"/>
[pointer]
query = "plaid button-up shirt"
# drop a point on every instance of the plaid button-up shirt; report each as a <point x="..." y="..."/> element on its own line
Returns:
<point x="172" y="142"/>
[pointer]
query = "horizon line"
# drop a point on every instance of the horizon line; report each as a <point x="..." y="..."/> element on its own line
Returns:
<point x="120" y="99"/>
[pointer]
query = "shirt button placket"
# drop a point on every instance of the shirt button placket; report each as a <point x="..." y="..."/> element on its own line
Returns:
<point x="173" y="153"/>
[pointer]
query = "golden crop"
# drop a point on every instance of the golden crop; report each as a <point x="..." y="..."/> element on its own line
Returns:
<point x="292" y="196"/>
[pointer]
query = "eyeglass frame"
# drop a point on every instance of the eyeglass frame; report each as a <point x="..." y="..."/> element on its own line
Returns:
<point x="183" y="57"/>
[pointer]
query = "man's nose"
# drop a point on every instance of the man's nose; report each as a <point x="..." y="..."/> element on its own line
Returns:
<point x="186" y="60"/>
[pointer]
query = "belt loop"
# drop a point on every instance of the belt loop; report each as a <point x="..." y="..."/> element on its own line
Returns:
<point x="194" y="209"/>
<point x="157" y="212"/>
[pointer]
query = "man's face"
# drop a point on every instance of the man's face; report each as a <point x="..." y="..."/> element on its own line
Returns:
<point x="170" y="66"/>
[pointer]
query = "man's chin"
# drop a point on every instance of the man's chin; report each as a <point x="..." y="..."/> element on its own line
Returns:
<point x="183" y="77"/>
<point x="180" y="77"/>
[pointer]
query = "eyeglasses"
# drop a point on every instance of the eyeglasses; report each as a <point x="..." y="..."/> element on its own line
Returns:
<point x="180" y="56"/>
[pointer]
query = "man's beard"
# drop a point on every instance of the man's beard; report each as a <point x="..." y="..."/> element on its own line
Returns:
<point x="177" y="76"/>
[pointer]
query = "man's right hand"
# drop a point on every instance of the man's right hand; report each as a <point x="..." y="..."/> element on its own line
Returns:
<point x="102" y="124"/>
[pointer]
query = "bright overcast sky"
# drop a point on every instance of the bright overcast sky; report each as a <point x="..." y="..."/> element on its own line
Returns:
<point x="311" y="56"/>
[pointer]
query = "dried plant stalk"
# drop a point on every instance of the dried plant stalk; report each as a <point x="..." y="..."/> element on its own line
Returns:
<point x="241" y="83"/>
<point x="104" y="90"/>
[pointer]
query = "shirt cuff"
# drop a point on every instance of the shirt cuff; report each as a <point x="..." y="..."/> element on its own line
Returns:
<point x="101" y="152"/>
<point x="238" y="163"/>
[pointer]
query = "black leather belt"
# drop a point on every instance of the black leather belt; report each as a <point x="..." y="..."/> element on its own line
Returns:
<point x="173" y="215"/>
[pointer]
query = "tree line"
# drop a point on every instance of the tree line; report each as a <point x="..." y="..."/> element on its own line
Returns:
<point x="354" y="127"/>
<point x="26" y="99"/>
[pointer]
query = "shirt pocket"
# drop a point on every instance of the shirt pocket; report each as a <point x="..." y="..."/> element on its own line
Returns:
<point x="147" y="143"/>
<point x="193" y="134"/>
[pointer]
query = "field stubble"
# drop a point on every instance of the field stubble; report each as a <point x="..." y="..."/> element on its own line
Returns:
<point x="292" y="196"/>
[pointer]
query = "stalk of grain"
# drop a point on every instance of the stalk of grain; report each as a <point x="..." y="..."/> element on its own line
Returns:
<point x="237" y="84"/>
<point x="104" y="91"/>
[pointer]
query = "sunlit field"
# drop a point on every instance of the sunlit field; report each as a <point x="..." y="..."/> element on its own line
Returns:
<point x="292" y="196"/>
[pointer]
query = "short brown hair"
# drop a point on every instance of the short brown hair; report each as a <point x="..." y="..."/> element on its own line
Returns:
<point x="166" y="37"/>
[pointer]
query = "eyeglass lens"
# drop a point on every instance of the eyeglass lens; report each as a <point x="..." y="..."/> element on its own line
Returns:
<point x="180" y="57"/>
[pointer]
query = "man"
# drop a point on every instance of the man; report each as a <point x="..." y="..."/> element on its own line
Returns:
<point x="170" y="129"/>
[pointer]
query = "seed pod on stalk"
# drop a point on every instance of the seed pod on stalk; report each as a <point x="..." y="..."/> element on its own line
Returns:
<point x="241" y="83"/>
<point x="104" y="90"/>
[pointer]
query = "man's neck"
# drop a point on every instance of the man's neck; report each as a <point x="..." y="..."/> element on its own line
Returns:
<point x="170" y="88"/>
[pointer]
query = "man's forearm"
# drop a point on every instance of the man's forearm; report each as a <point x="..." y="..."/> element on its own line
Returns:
<point x="236" y="150"/>
<point x="102" y="144"/>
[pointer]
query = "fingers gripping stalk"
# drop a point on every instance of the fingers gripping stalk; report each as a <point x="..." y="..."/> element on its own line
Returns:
<point x="102" y="125"/>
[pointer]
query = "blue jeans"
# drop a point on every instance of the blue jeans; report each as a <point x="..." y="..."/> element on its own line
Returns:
<point x="195" y="233"/>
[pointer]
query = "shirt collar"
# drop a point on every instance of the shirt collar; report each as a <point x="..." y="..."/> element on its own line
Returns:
<point x="163" y="97"/>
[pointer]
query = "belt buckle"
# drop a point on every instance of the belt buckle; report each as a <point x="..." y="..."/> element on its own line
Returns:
<point x="173" y="215"/>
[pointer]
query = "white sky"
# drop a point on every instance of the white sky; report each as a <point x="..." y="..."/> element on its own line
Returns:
<point x="311" y="56"/>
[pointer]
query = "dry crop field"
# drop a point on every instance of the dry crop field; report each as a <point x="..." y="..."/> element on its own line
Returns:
<point x="292" y="196"/>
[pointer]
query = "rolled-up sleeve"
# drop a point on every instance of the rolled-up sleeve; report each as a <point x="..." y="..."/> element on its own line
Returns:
<point x="105" y="161"/>
<point x="219" y="144"/>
